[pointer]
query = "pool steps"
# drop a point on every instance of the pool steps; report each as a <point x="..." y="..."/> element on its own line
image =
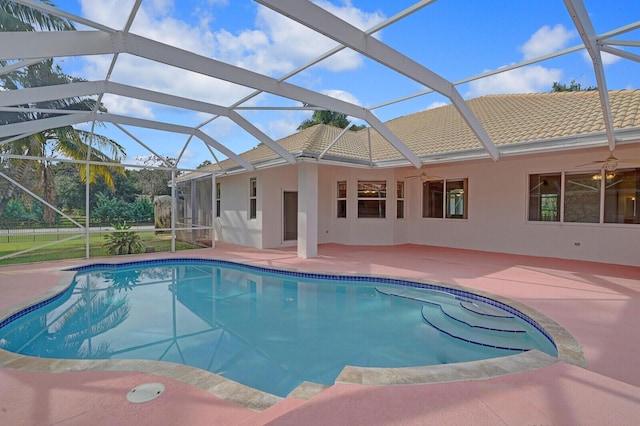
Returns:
<point x="466" y="320"/>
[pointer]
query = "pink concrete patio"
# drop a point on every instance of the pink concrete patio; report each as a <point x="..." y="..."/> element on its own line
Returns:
<point x="599" y="304"/>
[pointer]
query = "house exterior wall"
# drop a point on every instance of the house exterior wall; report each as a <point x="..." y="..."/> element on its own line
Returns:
<point x="234" y="224"/>
<point x="497" y="221"/>
<point x="497" y="210"/>
<point x="272" y="183"/>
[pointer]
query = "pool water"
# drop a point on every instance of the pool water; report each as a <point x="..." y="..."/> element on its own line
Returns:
<point x="261" y="328"/>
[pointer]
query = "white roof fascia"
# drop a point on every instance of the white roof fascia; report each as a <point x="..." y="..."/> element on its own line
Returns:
<point x="35" y="126"/>
<point x="582" y="22"/>
<point x="318" y="19"/>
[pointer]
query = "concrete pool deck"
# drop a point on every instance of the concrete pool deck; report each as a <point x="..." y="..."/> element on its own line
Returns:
<point x="599" y="304"/>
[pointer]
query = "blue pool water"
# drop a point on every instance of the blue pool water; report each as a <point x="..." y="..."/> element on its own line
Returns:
<point x="265" y="329"/>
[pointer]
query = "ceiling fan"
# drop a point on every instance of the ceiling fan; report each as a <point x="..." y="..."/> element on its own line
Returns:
<point x="611" y="163"/>
<point x="424" y="177"/>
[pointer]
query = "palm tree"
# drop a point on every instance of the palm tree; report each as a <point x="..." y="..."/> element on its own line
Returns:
<point x="64" y="141"/>
<point x="330" y="118"/>
<point x="18" y="17"/>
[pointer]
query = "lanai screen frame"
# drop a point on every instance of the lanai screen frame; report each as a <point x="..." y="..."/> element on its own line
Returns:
<point x="26" y="48"/>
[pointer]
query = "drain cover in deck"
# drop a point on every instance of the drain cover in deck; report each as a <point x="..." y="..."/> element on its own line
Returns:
<point x="145" y="392"/>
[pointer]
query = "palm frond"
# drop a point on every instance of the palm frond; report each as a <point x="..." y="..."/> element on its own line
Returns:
<point x="18" y="17"/>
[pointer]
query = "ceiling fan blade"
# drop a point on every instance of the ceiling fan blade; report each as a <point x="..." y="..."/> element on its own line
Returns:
<point x="590" y="163"/>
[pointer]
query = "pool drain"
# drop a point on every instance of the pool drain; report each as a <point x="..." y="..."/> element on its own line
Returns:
<point x="145" y="392"/>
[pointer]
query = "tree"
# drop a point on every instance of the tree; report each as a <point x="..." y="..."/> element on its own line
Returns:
<point x="330" y="118"/>
<point x="574" y="86"/>
<point x="154" y="182"/>
<point x="65" y="141"/>
<point x="18" y="17"/>
<point x="205" y="163"/>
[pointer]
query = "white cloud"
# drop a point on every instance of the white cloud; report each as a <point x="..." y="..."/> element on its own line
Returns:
<point x="276" y="46"/>
<point x="128" y="106"/>
<point x="437" y="104"/>
<point x="531" y="79"/>
<point x="342" y="95"/>
<point x="112" y="13"/>
<point x="284" y="127"/>
<point x="547" y="40"/>
<point x="300" y="44"/>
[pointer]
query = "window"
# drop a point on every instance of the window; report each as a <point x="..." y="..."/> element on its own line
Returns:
<point x="544" y="197"/>
<point x="583" y="196"/>
<point x="342" y="199"/>
<point x="217" y="199"/>
<point x="456" y="205"/>
<point x="253" y="198"/>
<point x="621" y="192"/>
<point x="445" y="198"/>
<point x="432" y="198"/>
<point x="400" y="199"/>
<point x="372" y="201"/>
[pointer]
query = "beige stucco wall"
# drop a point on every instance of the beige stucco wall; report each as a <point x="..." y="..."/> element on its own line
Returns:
<point x="233" y="224"/>
<point x="497" y="219"/>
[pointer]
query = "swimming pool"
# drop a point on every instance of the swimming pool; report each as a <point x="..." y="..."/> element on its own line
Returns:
<point x="267" y="329"/>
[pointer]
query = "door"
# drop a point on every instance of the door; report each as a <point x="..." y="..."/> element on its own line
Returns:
<point x="290" y="209"/>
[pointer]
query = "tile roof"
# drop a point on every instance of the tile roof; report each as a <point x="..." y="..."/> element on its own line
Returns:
<point x="508" y="119"/>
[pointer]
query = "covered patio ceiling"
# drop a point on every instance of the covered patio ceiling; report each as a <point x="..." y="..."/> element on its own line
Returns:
<point x="248" y="92"/>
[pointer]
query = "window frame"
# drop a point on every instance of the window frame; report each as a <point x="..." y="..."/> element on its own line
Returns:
<point x="440" y="208"/>
<point x="608" y="195"/>
<point x="400" y="197"/>
<point x="371" y="199"/>
<point x="341" y="201"/>
<point x="252" y="212"/>
<point x="218" y="198"/>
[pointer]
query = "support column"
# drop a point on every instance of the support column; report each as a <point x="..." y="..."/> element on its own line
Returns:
<point x="307" y="210"/>
<point x="214" y="209"/>
<point x="194" y="210"/>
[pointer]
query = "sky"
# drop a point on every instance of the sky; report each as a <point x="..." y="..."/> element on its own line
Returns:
<point x="456" y="39"/>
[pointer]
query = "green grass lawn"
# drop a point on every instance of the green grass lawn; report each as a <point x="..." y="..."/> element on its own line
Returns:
<point x="73" y="249"/>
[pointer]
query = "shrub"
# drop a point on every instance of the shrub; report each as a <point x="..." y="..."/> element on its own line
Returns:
<point x="123" y="241"/>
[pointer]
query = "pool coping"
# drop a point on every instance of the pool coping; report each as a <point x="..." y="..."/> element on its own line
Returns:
<point x="569" y="350"/>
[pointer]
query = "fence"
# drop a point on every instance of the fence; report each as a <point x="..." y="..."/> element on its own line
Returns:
<point x="26" y="230"/>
